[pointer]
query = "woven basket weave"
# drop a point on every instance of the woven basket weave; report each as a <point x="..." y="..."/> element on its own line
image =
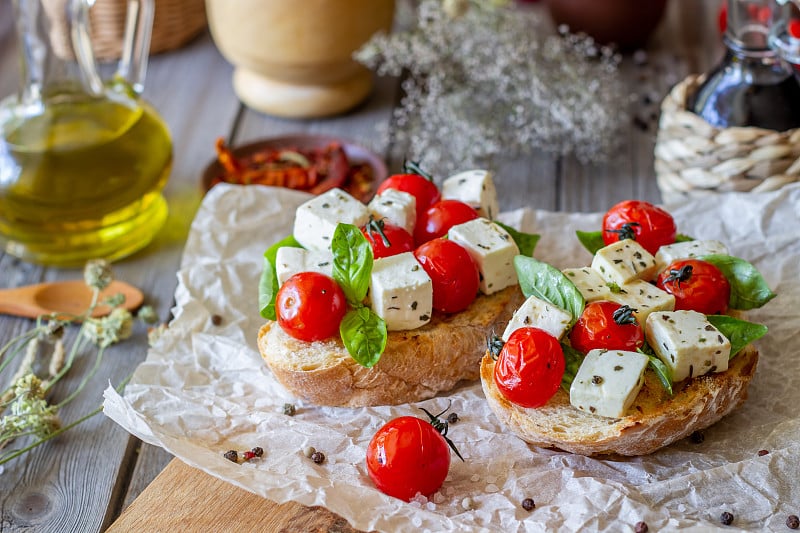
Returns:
<point x="175" y="23"/>
<point x="693" y="158"/>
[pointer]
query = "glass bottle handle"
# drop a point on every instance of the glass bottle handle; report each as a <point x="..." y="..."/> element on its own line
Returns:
<point x="82" y="45"/>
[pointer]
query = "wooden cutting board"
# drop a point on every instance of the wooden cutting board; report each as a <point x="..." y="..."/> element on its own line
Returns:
<point x="182" y="498"/>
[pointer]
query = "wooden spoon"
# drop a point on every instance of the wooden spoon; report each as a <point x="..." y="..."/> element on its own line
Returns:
<point x="68" y="297"/>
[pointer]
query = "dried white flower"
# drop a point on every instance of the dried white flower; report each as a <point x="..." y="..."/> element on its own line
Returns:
<point x="105" y="331"/>
<point x="97" y="274"/>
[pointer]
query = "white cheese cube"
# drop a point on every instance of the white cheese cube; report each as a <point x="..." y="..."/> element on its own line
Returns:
<point x="316" y="220"/>
<point x="473" y="187"/>
<point x="592" y="286"/>
<point x="644" y="298"/>
<point x="607" y="382"/>
<point x="492" y="249"/>
<point x="687" y="250"/>
<point x="401" y="292"/>
<point x="398" y="208"/>
<point x="290" y="261"/>
<point x="687" y="343"/>
<point x="624" y="261"/>
<point x="536" y="313"/>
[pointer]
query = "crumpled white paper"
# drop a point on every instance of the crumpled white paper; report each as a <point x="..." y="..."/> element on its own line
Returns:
<point x="204" y="389"/>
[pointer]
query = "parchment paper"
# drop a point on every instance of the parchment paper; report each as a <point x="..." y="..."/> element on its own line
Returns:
<point x="204" y="389"/>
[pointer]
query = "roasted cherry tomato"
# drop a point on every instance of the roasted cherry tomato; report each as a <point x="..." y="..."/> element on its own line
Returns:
<point x="529" y="368"/>
<point x="453" y="272"/>
<point x="649" y="225"/>
<point x="697" y="286"/>
<point x="310" y="306"/>
<point x="606" y="325"/>
<point x="387" y="239"/>
<point x="424" y="191"/>
<point x="406" y="457"/>
<point x="440" y="217"/>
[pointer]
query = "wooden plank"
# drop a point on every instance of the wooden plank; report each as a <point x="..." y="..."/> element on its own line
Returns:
<point x="208" y="504"/>
<point x="151" y="460"/>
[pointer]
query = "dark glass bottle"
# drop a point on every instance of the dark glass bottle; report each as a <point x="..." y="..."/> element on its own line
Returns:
<point x="753" y="85"/>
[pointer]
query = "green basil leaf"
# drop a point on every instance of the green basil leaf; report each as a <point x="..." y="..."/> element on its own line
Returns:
<point x="680" y="237"/>
<point x="663" y="373"/>
<point x="739" y="332"/>
<point x="352" y="262"/>
<point x="364" y="335"/>
<point x="591" y="240"/>
<point x="572" y="362"/>
<point x="526" y="242"/>
<point x="268" y="282"/>
<point x="749" y="290"/>
<point x="549" y="284"/>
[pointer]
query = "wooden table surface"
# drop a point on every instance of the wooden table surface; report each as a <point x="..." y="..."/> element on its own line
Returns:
<point x="83" y="480"/>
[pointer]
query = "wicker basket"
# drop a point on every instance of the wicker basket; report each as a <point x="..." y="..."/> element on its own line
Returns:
<point x="693" y="158"/>
<point x="175" y="23"/>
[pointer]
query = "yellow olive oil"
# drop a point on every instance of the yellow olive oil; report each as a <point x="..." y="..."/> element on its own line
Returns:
<point x="82" y="178"/>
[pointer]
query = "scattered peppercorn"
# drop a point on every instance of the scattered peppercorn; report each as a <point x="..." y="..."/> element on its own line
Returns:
<point x="452" y="418"/>
<point x="726" y="518"/>
<point x="697" y="437"/>
<point x="793" y="521"/>
<point x="257" y="451"/>
<point x="231" y="455"/>
<point x="289" y="409"/>
<point x="308" y="451"/>
<point x="216" y="320"/>
<point x="762" y="453"/>
<point x="246" y="456"/>
<point x="528" y="504"/>
<point x="641" y="527"/>
<point x="318" y="457"/>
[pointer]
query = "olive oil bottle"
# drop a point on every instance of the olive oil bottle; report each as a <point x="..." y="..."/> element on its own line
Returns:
<point x="82" y="178"/>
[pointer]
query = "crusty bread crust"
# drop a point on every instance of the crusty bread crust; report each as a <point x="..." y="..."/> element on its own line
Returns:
<point x="655" y="420"/>
<point x="416" y="364"/>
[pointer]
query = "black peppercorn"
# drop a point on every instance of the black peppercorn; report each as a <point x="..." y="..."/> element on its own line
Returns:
<point x="641" y="527"/>
<point x="793" y="521"/>
<point x="528" y="504"/>
<point x="257" y="451"/>
<point x="318" y="457"/>
<point x="289" y="409"/>
<point x="762" y="453"/>
<point x="726" y="518"/>
<point x="697" y="437"/>
<point x="216" y="320"/>
<point x="231" y="455"/>
<point x="452" y="418"/>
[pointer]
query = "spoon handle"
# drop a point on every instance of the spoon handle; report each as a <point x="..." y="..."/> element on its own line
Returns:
<point x="18" y="302"/>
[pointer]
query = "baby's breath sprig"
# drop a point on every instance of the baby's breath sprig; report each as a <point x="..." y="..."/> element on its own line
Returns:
<point x="24" y="405"/>
<point x="484" y="80"/>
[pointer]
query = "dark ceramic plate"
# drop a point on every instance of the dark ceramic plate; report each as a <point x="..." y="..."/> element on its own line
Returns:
<point x="357" y="156"/>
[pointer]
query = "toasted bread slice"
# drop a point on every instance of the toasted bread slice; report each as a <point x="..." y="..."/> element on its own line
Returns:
<point x="417" y="364"/>
<point x="655" y="420"/>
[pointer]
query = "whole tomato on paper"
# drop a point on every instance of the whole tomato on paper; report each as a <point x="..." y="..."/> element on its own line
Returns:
<point x="606" y="325"/>
<point x="647" y="224"/>
<point x="454" y="275"/>
<point x="697" y="286"/>
<point x="409" y="456"/>
<point x="440" y="217"/>
<point x="529" y="368"/>
<point x="310" y="306"/>
<point x="387" y="239"/>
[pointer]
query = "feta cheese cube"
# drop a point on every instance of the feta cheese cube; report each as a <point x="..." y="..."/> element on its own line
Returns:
<point x="687" y="250"/>
<point x="644" y="298"/>
<point x="687" y="343"/>
<point x="592" y="286"/>
<point x="473" y="187"/>
<point x="624" y="261"/>
<point x="398" y="208"/>
<point x="290" y="261"/>
<point x="536" y="313"/>
<point x="607" y="382"/>
<point x="492" y="249"/>
<point x="401" y="292"/>
<point x="316" y="220"/>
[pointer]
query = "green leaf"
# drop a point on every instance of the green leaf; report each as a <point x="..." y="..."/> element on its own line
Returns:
<point x="549" y="284"/>
<point x="364" y="335"/>
<point x="352" y="262"/>
<point x="268" y="282"/>
<point x="572" y="359"/>
<point x="591" y="240"/>
<point x="739" y="332"/>
<point x="749" y="290"/>
<point x="680" y="237"/>
<point x="663" y="373"/>
<point x="526" y="242"/>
